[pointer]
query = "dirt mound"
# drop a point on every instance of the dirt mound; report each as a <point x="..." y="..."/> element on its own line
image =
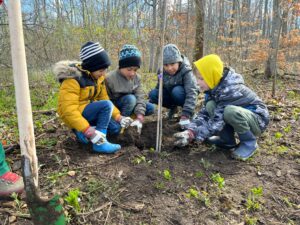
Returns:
<point x="147" y="139"/>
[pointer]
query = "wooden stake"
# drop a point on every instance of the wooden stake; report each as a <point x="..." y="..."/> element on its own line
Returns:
<point x="160" y="78"/>
<point x="24" y="112"/>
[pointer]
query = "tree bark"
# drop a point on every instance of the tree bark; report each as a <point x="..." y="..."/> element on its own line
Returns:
<point x="271" y="66"/>
<point x="199" y="34"/>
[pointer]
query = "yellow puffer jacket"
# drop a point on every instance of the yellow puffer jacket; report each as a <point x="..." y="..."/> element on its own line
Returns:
<point x="77" y="90"/>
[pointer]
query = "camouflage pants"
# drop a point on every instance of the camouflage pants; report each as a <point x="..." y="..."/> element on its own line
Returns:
<point x="239" y="118"/>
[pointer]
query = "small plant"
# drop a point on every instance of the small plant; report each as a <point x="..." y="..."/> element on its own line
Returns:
<point x="139" y="159"/>
<point x="167" y="175"/>
<point x="291" y="94"/>
<point x="206" y="164"/>
<point x="54" y="177"/>
<point x="218" y="179"/>
<point x="278" y="135"/>
<point x="296" y="113"/>
<point x="16" y="199"/>
<point x="73" y="199"/>
<point x="250" y="220"/>
<point x="199" y="174"/>
<point x="192" y="193"/>
<point x="159" y="185"/>
<point x="201" y="196"/>
<point x="288" y="129"/>
<point x="287" y="202"/>
<point x="282" y="149"/>
<point x="205" y="198"/>
<point x="151" y="150"/>
<point x="253" y="200"/>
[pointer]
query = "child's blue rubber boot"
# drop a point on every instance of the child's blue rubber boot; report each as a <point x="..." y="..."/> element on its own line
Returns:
<point x="104" y="146"/>
<point x="80" y="137"/>
<point x="247" y="146"/>
<point x="225" y="138"/>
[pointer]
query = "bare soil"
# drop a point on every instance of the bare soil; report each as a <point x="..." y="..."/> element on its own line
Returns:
<point x="133" y="186"/>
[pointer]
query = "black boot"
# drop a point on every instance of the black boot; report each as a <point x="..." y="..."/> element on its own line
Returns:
<point x="225" y="139"/>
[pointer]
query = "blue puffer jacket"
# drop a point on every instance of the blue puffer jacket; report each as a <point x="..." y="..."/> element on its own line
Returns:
<point x="230" y="91"/>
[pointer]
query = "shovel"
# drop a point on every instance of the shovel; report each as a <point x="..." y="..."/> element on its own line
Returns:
<point x="42" y="211"/>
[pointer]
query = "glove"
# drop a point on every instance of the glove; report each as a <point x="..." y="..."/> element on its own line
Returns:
<point x="94" y="135"/>
<point x="125" y="121"/>
<point x="184" y="122"/>
<point x="183" y="138"/>
<point x="138" y="124"/>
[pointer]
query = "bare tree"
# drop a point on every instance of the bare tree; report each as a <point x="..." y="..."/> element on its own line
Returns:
<point x="199" y="35"/>
<point x="271" y="66"/>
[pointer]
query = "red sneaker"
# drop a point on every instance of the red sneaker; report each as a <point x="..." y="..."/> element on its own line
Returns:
<point x="9" y="183"/>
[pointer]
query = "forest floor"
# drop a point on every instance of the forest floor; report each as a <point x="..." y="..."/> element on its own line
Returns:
<point x="198" y="184"/>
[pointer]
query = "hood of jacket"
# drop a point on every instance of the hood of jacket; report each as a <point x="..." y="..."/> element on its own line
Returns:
<point x="184" y="67"/>
<point x="67" y="70"/>
<point x="229" y="78"/>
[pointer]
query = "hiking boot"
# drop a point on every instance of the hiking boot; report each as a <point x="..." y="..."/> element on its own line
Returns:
<point x="247" y="146"/>
<point x="103" y="146"/>
<point x="10" y="183"/>
<point x="80" y="137"/>
<point x="225" y="139"/>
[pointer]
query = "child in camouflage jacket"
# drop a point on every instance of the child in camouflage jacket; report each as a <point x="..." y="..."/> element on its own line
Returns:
<point x="230" y="107"/>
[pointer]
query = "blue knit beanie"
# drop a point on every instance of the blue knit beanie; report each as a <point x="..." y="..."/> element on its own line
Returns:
<point x="129" y="56"/>
<point x="171" y="54"/>
<point x="94" y="57"/>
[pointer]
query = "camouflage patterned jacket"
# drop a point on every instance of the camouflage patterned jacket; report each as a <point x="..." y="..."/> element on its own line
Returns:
<point x="230" y="91"/>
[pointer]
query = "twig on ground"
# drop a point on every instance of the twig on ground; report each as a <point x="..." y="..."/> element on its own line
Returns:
<point x="49" y="121"/>
<point x="41" y="135"/>
<point x="22" y="215"/>
<point x="94" y="211"/>
<point x="108" y="212"/>
<point x="9" y="148"/>
<point x="47" y="112"/>
<point x="98" y="164"/>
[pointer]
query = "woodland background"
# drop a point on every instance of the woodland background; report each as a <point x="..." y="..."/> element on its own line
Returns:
<point x="248" y="34"/>
<point x="195" y="185"/>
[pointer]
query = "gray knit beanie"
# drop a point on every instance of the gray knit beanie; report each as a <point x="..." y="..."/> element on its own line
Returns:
<point x="171" y="54"/>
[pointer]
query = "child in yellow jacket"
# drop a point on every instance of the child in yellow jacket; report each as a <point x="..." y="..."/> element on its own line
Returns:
<point x="83" y="101"/>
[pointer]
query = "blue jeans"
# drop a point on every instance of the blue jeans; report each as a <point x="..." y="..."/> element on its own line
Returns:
<point x="126" y="105"/>
<point x="171" y="99"/>
<point x="98" y="114"/>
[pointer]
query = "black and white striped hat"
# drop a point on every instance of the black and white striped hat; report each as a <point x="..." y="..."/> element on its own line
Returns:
<point x="94" y="57"/>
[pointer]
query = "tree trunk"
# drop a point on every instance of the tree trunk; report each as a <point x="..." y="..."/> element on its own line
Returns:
<point x="199" y="34"/>
<point x="161" y="31"/>
<point x="266" y="18"/>
<point x="153" y="36"/>
<point x="271" y="66"/>
<point x="284" y="22"/>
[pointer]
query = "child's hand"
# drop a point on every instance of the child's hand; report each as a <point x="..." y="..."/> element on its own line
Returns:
<point x="137" y="123"/>
<point x="94" y="135"/>
<point x="183" y="138"/>
<point x="184" y="122"/>
<point x="125" y="121"/>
